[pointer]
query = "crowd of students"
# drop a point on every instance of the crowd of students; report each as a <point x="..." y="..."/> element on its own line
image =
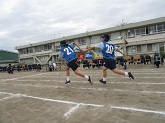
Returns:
<point x="11" y="68"/>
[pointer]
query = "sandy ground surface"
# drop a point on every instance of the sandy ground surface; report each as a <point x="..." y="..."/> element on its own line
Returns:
<point x="42" y="97"/>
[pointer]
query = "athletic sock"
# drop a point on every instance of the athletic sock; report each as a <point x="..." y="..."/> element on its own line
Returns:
<point x="126" y="73"/>
<point x="87" y="77"/>
<point x="67" y="79"/>
<point x="104" y="79"/>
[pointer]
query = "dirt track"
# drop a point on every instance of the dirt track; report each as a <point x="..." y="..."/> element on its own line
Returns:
<point x="42" y="97"/>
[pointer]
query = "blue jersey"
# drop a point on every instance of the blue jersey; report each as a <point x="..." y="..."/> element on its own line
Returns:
<point x="108" y="50"/>
<point x="68" y="53"/>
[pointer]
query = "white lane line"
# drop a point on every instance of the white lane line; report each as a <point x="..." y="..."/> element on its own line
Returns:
<point x="31" y="85"/>
<point x="109" y="77"/>
<point x="138" y="110"/>
<point x="131" y="83"/>
<point x="149" y="73"/>
<point x="83" y="88"/>
<point x="4" y="80"/>
<point x="94" y="105"/>
<point x="96" y="73"/>
<point x="154" y="77"/>
<point x="144" y="91"/>
<point x="67" y="114"/>
<point x="6" y="98"/>
<point x="139" y="83"/>
<point x="52" y="100"/>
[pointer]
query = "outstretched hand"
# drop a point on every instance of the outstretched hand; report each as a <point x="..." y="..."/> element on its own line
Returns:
<point x="83" y="50"/>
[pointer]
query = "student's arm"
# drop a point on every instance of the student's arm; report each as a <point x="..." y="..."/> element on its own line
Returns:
<point x="78" y="46"/>
<point x="91" y="48"/>
<point x="119" y="51"/>
<point x="97" y="46"/>
<point x="60" y="57"/>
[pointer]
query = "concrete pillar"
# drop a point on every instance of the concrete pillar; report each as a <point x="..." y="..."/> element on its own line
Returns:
<point x="123" y="34"/>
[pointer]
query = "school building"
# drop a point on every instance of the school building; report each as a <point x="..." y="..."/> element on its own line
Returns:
<point x="140" y="38"/>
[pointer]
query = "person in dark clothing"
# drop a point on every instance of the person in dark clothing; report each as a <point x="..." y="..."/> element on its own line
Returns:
<point x="156" y="60"/>
<point x="10" y="69"/>
<point x="147" y="58"/>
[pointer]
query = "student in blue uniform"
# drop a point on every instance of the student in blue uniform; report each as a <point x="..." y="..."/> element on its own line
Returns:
<point x="67" y="53"/>
<point x="108" y="51"/>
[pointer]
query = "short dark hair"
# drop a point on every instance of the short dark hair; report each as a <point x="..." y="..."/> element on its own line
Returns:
<point x="106" y="36"/>
<point x="63" y="43"/>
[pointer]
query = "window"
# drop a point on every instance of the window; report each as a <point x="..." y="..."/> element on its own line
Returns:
<point x="95" y="39"/>
<point x="115" y="35"/>
<point x="70" y="41"/>
<point x="143" y="31"/>
<point x="149" y="47"/>
<point x="144" y="48"/>
<point x="133" y="48"/>
<point x="39" y="48"/>
<point x="57" y="43"/>
<point x="92" y="41"/>
<point x="43" y="58"/>
<point x="47" y="47"/>
<point x="155" y="47"/>
<point x="57" y="48"/>
<point x="161" y="28"/>
<point x="129" y="49"/>
<point x="161" y="47"/>
<point x="27" y="50"/>
<point x="152" y="29"/>
<point x="137" y="32"/>
<point x="139" y="49"/>
<point x="83" y="41"/>
<point x="140" y="31"/>
<point x="130" y="33"/>
<point x="30" y="50"/>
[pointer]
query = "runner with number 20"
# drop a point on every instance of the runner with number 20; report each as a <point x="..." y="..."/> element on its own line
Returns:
<point x="108" y="51"/>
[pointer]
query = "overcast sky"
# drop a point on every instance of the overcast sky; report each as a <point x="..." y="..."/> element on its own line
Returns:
<point x="29" y="21"/>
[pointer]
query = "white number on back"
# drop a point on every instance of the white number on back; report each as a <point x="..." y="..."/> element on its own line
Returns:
<point x="68" y="50"/>
<point x="109" y="49"/>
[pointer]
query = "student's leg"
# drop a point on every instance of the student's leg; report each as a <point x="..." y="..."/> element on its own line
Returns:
<point x="79" y="73"/>
<point x="104" y="75"/>
<point x="120" y="72"/>
<point x="117" y="71"/>
<point x="104" y="72"/>
<point x="83" y="75"/>
<point x="67" y="73"/>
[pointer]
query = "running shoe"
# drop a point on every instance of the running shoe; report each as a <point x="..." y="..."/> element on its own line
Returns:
<point x="130" y="75"/>
<point x="90" y="81"/>
<point x="67" y="82"/>
<point x="104" y="82"/>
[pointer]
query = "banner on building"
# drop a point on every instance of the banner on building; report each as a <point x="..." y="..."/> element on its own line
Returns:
<point x="81" y="56"/>
<point x="97" y="55"/>
<point x="88" y="55"/>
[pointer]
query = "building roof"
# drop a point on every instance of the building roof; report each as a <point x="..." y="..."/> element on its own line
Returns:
<point x="111" y="29"/>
